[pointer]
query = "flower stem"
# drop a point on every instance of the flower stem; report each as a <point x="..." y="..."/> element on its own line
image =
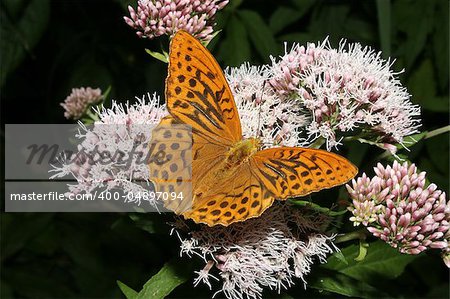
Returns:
<point x="437" y="132"/>
<point x="318" y="143"/>
<point x="356" y="235"/>
<point x="93" y="116"/>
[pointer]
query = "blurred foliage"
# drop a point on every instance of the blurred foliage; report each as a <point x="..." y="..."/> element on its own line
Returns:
<point x="48" y="47"/>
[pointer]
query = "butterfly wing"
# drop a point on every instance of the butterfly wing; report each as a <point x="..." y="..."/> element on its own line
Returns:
<point x="198" y="94"/>
<point x="170" y="163"/>
<point x="239" y="197"/>
<point x="277" y="173"/>
<point x="293" y="171"/>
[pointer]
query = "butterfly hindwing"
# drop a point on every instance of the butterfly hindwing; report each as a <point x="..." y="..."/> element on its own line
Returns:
<point x="240" y="197"/>
<point x="170" y="163"/>
<point x="294" y="171"/>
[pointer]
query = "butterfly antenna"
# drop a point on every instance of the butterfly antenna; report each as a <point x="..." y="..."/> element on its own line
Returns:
<point x="258" y="132"/>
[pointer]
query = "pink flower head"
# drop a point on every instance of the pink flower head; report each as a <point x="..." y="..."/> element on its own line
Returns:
<point x="350" y="89"/>
<point x="122" y="129"/>
<point x="78" y="102"/>
<point x="158" y="17"/>
<point x="264" y="252"/>
<point x="397" y="207"/>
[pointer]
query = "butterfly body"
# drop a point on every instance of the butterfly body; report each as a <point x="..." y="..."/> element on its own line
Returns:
<point x="237" y="155"/>
<point x="231" y="178"/>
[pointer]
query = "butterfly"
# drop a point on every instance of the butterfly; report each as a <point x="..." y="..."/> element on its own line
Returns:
<point x="225" y="178"/>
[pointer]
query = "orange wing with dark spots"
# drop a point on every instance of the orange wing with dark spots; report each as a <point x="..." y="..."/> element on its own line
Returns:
<point x="240" y="197"/>
<point x="197" y="92"/>
<point x="293" y="171"/>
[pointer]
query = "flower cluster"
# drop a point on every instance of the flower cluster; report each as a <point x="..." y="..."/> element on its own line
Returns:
<point x="122" y="133"/>
<point x="262" y="113"/>
<point x="350" y="89"/>
<point x="268" y="251"/>
<point x="80" y="100"/>
<point x="397" y="207"/>
<point x="158" y="17"/>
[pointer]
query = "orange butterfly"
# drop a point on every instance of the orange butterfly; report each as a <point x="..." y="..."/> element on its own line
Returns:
<point x="224" y="177"/>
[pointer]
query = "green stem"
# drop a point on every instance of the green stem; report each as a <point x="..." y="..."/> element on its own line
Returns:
<point x="437" y="132"/>
<point x="318" y="143"/>
<point x="356" y="235"/>
<point x="93" y="116"/>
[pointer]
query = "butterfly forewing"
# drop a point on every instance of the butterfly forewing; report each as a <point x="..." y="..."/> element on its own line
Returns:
<point x="197" y="92"/>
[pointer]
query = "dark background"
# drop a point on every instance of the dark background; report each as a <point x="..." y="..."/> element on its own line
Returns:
<point x="49" y="47"/>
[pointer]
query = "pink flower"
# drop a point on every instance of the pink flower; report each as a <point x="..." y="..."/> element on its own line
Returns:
<point x="397" y="207"/>
<point x="264" y="252"/>
<point x="124" y="129"/>
<point x="158" y="17"/>
<point x="80" y="100"/>
<point x="350" y="89"/>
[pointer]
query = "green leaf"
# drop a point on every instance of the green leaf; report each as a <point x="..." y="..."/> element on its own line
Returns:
<point x="413" y="18"/>
<point x="363" y="248"/>
<point x="234" y="4"/>
<point x="360" y="30"/>
<point x="341" y="257"/>
<point x="421" y="83"/>
<point x="381" y="261"/>
<point x="303" y="6"/>
<point x="285" y="16"/>
<point x="297" y="37"/>
<point x="330" y="20"/>
<point x="384" y="25"/>
<point x="150" y="223"/>
<point x="171" y="275"/>
<point x="440" y="43"/>
<point x="106" y="100"/>
<point x="335" y="282"/>
<point x="30" y="282"/>
<point x="436" y="104"/>
<point x="357" y="151"/>
<point x="21" y="30"/>
<point x="160" y="56"/>
<point x="422" y="86"/>
<point x="235" y="48"/>
<point x="411" y="140"/>
<point x="6" y="291"/>
<point x="436" y="147"/>
<point x="126" y="290"/>
<point x="21" y="230"/>
<point x="260" y="34"/>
